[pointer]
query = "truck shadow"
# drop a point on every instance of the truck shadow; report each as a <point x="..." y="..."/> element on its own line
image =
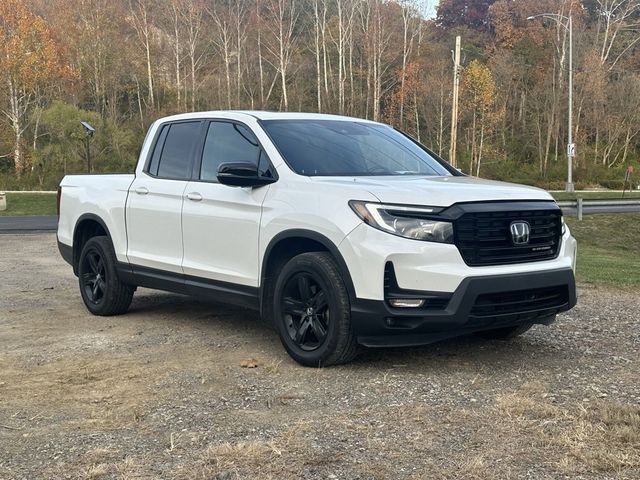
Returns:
<point x="534" y="347"/>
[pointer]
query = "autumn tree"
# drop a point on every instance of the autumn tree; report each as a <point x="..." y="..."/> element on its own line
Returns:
<point x="404" y="98"/>
<point x="91" y="30"/>
<point x="29" y="58"/>
<point x="137" y="60"/>
<point x="433" y="104"/>
<point x="376" y="35"/>
<point x="455" y="13"/>
<point x="479" y="94"/>
<point x="411" y="23"/>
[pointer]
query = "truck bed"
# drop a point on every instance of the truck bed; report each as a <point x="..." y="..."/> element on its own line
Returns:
<point x="102" y="196"/>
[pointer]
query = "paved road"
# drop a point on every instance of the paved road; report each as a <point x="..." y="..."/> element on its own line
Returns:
<point x="28" y="224"/>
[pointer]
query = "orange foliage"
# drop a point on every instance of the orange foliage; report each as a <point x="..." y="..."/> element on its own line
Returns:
<point x="402" y="96"/>
<point x="510" y="23"/>
<point x="28" y="55"/>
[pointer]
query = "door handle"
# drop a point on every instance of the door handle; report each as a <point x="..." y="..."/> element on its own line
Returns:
<point x="194" y="196"/>
<point x="141" y="190"/>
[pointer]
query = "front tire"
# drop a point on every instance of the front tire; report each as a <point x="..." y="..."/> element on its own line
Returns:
<point x="312" y="311"/>
<point x="100" y="287"/>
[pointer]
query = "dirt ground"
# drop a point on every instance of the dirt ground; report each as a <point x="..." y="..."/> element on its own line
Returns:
<point x="160" y="393"/>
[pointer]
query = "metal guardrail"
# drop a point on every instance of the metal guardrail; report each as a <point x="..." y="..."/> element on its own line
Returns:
<point x="580" y="206"/>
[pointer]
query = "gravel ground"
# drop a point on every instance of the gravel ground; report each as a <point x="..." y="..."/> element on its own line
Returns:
<point x="160" y="393"/>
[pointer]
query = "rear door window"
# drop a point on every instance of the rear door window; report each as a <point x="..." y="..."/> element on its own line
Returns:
<point x="157" y="151"/>
<point x="174" y="158"/>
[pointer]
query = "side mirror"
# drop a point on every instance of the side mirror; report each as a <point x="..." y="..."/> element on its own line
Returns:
<point x="242" y="174"/>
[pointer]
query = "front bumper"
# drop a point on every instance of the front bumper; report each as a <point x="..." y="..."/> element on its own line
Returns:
<point x="426" y="265"/>
<point x="479" y="303"/>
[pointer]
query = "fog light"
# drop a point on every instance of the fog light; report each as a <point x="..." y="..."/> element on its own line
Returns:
<point x="406" y="302"/>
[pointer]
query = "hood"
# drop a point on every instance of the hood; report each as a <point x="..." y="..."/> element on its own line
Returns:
<point x="437" y="191"/>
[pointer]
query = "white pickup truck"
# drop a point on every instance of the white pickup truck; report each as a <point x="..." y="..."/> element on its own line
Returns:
<point x="342" y="232"/>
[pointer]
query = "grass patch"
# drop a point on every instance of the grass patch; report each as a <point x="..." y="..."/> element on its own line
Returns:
<point x="608" y="248"/>
<point x="608" y="245"/>
<point x="601" y="436"/>
<point x="604" y="195"/>
<point x="27" y="204"/>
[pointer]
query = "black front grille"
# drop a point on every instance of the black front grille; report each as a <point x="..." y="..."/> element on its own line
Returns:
<point x="484" y="237"/>
<point x="542" y="301"/>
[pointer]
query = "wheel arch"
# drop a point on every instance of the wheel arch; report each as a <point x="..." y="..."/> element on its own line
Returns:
<point x="87" y="226"/>
<point x="290" y="243"/>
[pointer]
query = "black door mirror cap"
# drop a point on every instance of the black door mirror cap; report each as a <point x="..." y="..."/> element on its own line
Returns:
<point x="242" y="174"/>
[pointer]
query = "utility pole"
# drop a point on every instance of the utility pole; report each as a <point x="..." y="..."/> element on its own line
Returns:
<point x="454" y="106"/>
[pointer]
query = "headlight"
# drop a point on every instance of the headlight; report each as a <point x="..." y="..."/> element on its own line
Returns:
<point x="404" y="221"/>
<point x="564" y="226"/>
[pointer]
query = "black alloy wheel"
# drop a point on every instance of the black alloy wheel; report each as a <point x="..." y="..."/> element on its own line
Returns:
<point x="102" y="291"/>
<point x="94" y="276"/>
<point x="312" y="311"/>
<point x="306" y="311"/>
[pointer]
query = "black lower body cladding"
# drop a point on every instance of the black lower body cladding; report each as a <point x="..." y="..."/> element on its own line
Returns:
<point x="479" y="303"/>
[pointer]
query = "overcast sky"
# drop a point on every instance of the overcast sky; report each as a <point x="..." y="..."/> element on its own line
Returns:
<point x="428" y="7"/>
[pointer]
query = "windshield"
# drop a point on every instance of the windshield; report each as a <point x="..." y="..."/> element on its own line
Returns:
<point x="339" y="147"/>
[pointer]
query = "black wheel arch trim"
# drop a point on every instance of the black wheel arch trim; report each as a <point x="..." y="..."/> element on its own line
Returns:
<point x="317" y="237"/>
<point x="66" y="251"/>
<point x="75" y="255"/>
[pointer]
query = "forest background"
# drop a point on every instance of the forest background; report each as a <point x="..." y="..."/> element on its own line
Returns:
<point x="121" y="64"/>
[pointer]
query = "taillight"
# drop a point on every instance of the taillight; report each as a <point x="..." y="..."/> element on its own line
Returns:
<point x="58" y="195"/>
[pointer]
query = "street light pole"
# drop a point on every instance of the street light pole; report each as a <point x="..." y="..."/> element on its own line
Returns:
<point x="87" y="152"/>
<point x="571" y="148"/>
<point x="89" y="131"/>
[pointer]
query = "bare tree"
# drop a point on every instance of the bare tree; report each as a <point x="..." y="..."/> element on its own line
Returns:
<point x="319" y="24"/>
<point x="377" y="35"/>
<point x="177" y="50"/>
<point x="259" y="45"/>
<point x="192" y="19"/>
<point x="620" y="19"/>
<point x="222" y="19"/>
<point x="239" y="17"/>
<point x="282" y="19"/>
<point x="173" y="11"/>
<point x="140" y="19"/>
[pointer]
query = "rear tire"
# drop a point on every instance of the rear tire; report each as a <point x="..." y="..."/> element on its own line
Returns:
<point x="312" y="312"/>
<point x="100" y="287"/>
<point x="505" y="333"/>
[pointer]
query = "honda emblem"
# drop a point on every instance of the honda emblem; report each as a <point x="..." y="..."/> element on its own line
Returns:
<point x="520" y="232"/>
